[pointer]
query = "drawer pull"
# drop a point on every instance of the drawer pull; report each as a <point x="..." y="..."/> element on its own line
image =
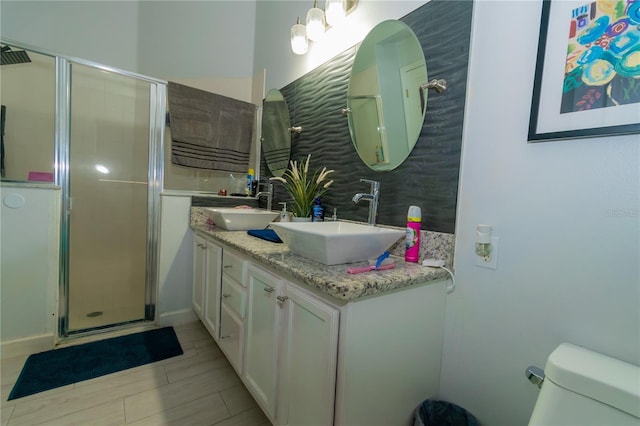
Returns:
<point x="269" y="289"/>
<point x="229" y="336"/>
<point x="282" y="298"/>
<point x="202" y="245"/>
<point x="227" y="266"/>
<point x="226" y="296"/>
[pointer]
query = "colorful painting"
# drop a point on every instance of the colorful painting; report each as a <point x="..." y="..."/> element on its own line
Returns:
<point x="603" y="56"/>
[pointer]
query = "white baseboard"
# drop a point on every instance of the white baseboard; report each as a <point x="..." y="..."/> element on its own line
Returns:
<point x="27" y="345"/>
<point x="182" y="316"/>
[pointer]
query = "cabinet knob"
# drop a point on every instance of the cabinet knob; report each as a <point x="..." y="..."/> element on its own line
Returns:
<point x="282" y="298"/>
<point x="269" y="289"/>
<point x="226" y="296"/>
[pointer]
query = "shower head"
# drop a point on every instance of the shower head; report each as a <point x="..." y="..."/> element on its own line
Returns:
<point x="9" y="57"/>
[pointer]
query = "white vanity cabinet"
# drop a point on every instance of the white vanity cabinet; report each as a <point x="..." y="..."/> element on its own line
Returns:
<point x="207" y="257"/>
<point x="199" y="274"/>
<point x="308" y="358"/>
<point x="263" y="337"/>
<point x="309" y="354"/>
<point x="233" y="308"/>
<point x="292" y="346"/>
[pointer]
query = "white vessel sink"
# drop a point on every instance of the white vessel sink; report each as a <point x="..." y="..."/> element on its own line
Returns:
<point x="240" y="219"/>
<point x="333" y="243"/>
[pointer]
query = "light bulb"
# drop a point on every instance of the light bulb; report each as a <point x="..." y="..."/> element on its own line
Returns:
<point x="315" y="23"/>
<point x="335" y="13"/>
<point x="299" y="42"/>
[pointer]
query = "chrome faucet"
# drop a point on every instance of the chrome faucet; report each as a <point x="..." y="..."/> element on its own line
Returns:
<point x="268" y="194"/>
<point x="372" y="197"/>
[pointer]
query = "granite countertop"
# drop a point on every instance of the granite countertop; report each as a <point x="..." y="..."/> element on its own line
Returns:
<point x="332" y="280"/>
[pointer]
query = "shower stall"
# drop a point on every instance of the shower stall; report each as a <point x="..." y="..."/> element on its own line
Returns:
<point x="104" y="149"/>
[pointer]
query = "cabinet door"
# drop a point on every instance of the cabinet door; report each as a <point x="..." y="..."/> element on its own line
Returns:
<point x="310" y="345"/>
<point x="263" y="324"/>
<point x="231" y="337"/>
<point x="211" y="317"/>
<point x="199" y="274"/>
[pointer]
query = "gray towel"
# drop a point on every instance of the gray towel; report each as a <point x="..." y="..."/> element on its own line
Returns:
<point x="210" y="131"/>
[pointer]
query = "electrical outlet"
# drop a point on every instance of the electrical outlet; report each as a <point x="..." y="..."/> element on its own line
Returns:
<point x="490" y="261"/>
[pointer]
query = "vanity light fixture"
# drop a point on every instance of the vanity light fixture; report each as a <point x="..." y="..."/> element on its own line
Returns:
<point x="315" y="22"/>
<point x="299" y="42"/>
<point x="318" y="22"/>
<point x="335" y="12"/>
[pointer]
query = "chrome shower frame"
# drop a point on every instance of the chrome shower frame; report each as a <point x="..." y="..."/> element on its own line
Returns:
<point x="157" y="120"/>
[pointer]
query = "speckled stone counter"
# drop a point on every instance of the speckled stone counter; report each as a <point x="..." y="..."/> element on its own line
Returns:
<point x="331" y="280"/>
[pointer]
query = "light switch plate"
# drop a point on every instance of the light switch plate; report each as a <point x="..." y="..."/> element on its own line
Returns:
<point x="491" y="261"/>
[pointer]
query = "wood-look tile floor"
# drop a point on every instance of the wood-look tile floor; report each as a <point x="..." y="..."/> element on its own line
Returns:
<point x="197" y="388"/>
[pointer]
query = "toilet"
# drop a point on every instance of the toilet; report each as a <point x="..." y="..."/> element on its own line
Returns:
<point x="582" y="387"/>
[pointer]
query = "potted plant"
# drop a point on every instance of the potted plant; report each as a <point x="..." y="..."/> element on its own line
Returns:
<point x="304" y="187"/>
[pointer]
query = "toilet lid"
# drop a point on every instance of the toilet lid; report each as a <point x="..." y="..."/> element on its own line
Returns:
<point x="596" y="376"/>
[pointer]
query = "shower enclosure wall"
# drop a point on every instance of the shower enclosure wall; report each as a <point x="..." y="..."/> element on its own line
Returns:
<point x="106" y="154"/>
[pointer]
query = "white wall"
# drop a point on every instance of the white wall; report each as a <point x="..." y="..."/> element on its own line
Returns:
<point x="175" y="269"/>
<point x="567" y="217"/>
<point x="101" y="31"/>
<point x="203" y="44"/>
<point x="29" y="271"/>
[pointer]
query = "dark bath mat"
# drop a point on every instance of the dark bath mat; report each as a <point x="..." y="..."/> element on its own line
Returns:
<point x="61" y="367"/>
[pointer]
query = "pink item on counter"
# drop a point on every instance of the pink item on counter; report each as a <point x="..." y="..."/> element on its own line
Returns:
<point x="357" y="270"/>
<point x="40" y="176"/>
<point x="412" y="242"/>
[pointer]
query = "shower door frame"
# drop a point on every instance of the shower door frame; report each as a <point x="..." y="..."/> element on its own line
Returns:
<point x="155" y="179"/>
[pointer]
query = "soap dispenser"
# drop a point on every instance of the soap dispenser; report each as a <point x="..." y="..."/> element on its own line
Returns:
<point x="317" y="212"/>
<point x="284" y="214"/>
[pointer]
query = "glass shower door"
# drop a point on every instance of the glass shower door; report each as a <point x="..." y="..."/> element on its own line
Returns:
<point x="108" y="190"/>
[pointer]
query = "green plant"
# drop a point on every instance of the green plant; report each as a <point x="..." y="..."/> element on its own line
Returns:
<point x="304" y="187"/>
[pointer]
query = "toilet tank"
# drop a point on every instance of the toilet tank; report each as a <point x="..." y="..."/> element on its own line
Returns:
<point x="582" y="387"/>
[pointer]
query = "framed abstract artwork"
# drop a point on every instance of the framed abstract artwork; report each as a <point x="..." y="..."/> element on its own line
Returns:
<point x="587" y="77"/>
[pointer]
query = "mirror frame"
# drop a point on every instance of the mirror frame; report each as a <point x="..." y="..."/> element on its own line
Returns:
<point x="276" y="132"/>
<point x="385" y="102"/>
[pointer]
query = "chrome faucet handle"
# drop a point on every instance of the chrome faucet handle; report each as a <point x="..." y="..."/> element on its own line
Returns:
<point x="375" y="185"/>
<point x="268" y="193"/>
<point x="373" y="199"/>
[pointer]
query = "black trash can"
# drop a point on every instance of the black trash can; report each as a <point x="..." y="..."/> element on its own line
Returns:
<point x="433" y="412"/>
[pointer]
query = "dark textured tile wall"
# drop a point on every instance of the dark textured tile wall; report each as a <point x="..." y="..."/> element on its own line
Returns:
<point x="429" y="177"/>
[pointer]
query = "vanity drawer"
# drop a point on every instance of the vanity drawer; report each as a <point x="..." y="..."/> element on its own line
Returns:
<point x="234" y="296"/>
<point x="231" y="338"/>
<point x="233" y="266"/>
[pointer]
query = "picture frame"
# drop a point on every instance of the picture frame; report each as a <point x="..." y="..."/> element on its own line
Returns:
<point x="586" y="83"/>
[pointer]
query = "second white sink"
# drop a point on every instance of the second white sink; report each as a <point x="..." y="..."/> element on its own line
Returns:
<point x="334" y="243"/>
<point x="240" y="219"/>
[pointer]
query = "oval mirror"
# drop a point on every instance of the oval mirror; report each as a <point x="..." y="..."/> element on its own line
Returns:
<point x="276" y="133"/>
<point x="385" y="101"/>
